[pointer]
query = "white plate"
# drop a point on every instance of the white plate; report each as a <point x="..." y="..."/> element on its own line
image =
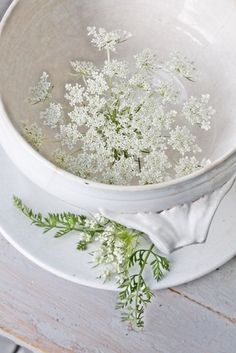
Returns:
<point x="60" y="256"/>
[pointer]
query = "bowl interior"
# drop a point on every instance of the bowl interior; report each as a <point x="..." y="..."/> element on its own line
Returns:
<point x="46" y="36"/>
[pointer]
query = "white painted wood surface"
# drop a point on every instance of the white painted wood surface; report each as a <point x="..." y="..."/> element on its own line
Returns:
<point x="6" y="346"/>
<point x="51" y="315"/>
<point x="55" y="316"/>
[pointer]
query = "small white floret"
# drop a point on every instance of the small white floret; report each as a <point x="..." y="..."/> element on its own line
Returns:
<point x="41" y="90"/>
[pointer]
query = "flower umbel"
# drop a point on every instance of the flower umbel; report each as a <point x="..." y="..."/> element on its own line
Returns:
<point x="182" y="140"/>
<point x="117" y="251"/>
<point x="33" y="134"/>
<point x="122" y="123"/>
<point x="69" y="135"/>
<point x="74" y="94"/>
<point x="182" y="66"/>
<point x="41" y="90"/>
<point x="188" y="165"/>
<point x="53" y="115"/>
<point x="197" y="111"/>
<point x="107" y="40"/>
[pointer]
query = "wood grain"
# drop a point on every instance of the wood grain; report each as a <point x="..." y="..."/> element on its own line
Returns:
<point x="6" y="346"/>
<point x="54" y="315"/>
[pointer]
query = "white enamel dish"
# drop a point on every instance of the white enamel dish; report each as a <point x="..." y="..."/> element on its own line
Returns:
<point x="46" y="35"/>
<point x="60" y="256"/>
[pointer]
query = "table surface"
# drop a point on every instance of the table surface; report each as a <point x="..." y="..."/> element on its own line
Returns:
<point x="7" y="346"/>
<point x="48" y="314"/>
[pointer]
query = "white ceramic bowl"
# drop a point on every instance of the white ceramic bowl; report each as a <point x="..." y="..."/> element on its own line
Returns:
<point x="45" y="35"/>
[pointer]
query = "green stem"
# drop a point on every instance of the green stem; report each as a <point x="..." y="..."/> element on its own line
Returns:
<point x="81" y="229"/>
<point x="140" y="276"/>
<point x="139" y="165"/>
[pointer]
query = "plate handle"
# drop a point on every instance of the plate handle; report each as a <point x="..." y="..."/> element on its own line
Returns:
<point x="179" y="226"/>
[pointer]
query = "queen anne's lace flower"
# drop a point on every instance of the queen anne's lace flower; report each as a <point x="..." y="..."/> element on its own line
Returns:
<point x="83" y="68"/>
<point x="146" y="60"/>
<point x="182" y="140"/>
<point x="115" y="68"/>
<point x="107" y="40"/>
<point x="87" y="165"/>
<point x="74" y="93"/>
<point x="79" y="115"/>
<point x="122" y="125"/>
<point x="33" y="134"/>
<point x="111" y="251"/>
<point x="197" y="111"/>
<point x="155" y="168"/>
<point x="69" y="135"/>
<point x="182" y="66"/>
<point x="123" y="171"/>
<point x="62" y="159"/>
<point x="41" y="90"/>
<point x="97" y="84"/>
<point x="93" y="141"/>
<point x="188" y="165"/>
<point x="139" y="80"/>
<point x="163" y="120"/>
<point x="167" y="92"/>
<point x="95" y="104"/>
<point x="53" y="115"/>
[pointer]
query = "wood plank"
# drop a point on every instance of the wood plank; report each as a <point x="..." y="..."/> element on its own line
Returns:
<point x="24" y="350"/>
<point x="54" y="315"/>
<point x="6" y="346"/>
<point x="218" y="293"/>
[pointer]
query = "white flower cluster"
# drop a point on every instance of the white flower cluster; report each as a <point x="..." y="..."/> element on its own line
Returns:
<point x="74" y="94"/>
<point x="181" y="65"/>
<point x="188" y="165"/>
<point x="146" y="60"/>
<point x="83" y="68"/>
<point x="156" y="166"/>
<point x="197" y="111"/>
<point x="107" y="40"/>
<point x="53" y="115"/>
<point x="33" y="134"/>
<point x="41" y="90"/>
<point x="125" y="127"/>
<point x="182" y="140"/>
<point x="115" y="68"/>
<point x="69" y="135"/>
<point x="110" y="252"/>
<point x="113" y="247"/>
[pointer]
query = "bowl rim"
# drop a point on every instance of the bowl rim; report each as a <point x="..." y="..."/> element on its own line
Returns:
<point x="102" y="186"/>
